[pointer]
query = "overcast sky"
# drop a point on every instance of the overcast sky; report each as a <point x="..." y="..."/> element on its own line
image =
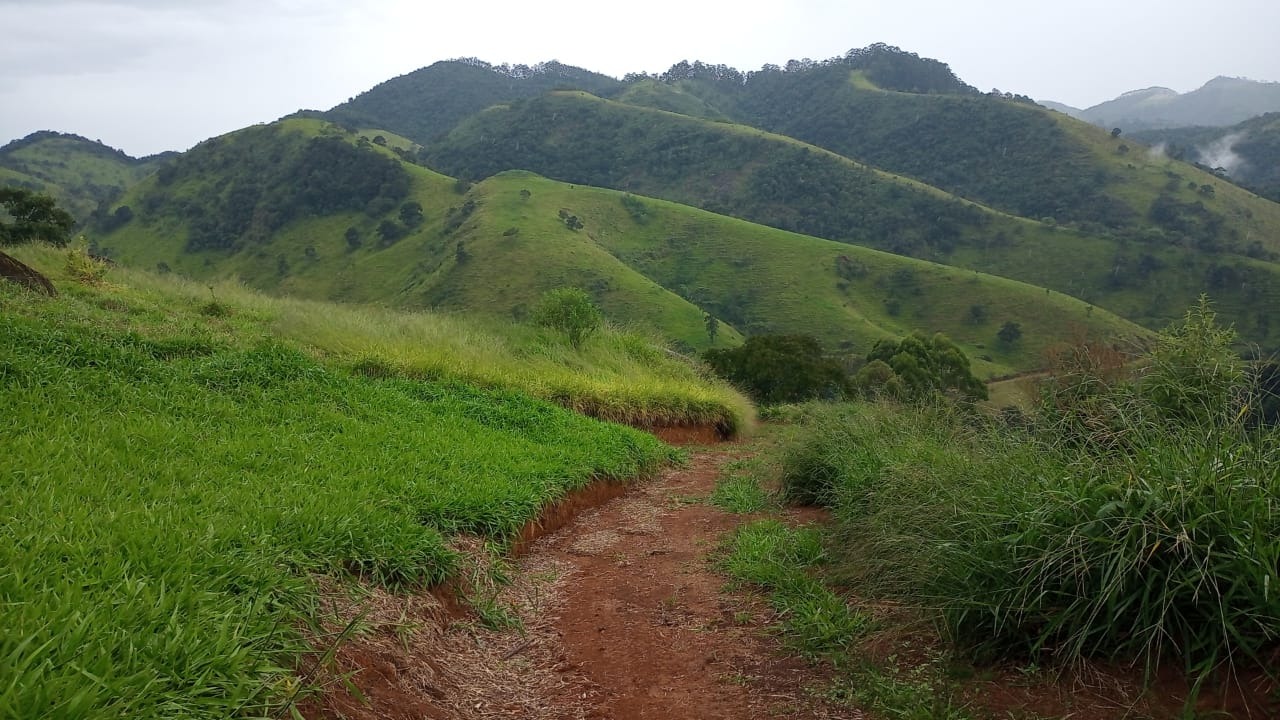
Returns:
<point x="153" y="75"/>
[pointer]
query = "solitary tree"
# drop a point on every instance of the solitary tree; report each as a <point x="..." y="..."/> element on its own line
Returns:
<point x="712" y="325"/>
<point x="571" y="311"/>
<point x="411" y="214"/>
<point x="1010" y="332"/>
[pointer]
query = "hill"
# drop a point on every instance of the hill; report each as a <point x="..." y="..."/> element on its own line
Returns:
<point x="79" y="172"/>
<point x="1248" y="153"/>
<point x="1220" y="102"/>
<point x="432" y="100"/>
<point x="188" y="482"/>
<point x="1189" y="240"/>
<point x="496" y="246"/>
<point x="1061" y="107"/>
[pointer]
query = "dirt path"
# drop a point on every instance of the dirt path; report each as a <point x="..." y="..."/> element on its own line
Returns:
<point x="621" y="616"/>
<point x="643" y="616"/>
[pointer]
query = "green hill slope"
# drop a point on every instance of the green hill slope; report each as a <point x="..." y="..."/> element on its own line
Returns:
<point x="184" y="482"/>
<point x="1005" y="152"/>
<point x="79" y="172"/>
<point x="496" y="246"/>
<point x="1220" y="241"/>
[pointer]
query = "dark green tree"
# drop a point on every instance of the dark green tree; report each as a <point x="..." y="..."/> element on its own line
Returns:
<point x="712" y="325"/>
<point x="352" y="236"/>
<point x="32" y="216"/>
<point x="920" y="368"/>
<point x="1010" y="332"/>
<point x="411" y="214"/>
<point x="390" y="231"/>
<point x="780" y="368"/>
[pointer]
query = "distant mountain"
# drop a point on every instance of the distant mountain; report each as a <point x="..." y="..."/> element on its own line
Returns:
<point x="429" y="102"/>
<point x="79" y="172"/>
<point x="1060" y="107"/>
<point x="1248" y="153"/>
<point x="1220" y="102"/>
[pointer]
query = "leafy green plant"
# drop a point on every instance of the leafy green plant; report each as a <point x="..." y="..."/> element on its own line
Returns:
<point x="1161" y="546"/>
<point x="570" y="311"/>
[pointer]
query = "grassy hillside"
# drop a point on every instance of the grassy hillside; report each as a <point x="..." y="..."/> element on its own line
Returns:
<point x="762" y="280"/>
<point x="1216" y="241"/>
<point x="179" y="475"/>
<point x="79" y="172"/>
<point x="456" y="257"/>
<point x="664" y="96"/>
<point x="1005" y="152"/>
<point x="497" y="246"/>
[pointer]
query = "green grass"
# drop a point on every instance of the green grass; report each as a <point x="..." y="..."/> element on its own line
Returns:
<point x="815" y="621"/>
<point x="739" y="492"/>
<point x="1028" y="546"/>
<point x="918" y="693"/>
<point x="619" y="375"/>
<point x="176" y="473"/>
<point x="652" y="265"/>
<point x="663" y="96"/>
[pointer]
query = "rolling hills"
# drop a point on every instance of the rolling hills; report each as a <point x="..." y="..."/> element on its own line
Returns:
<point x="496" y="246"/>
<point x="1187" y="239"/>
<point x="407" y="199"/>
<point x="79" y="172"/>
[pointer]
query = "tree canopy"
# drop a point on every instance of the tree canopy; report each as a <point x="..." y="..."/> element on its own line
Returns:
<point x="917" y="367"/>
<point x="780" y="368"/>
<point x="32" y="216"/>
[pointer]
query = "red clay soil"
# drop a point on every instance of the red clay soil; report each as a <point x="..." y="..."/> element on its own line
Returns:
<point x="622" y="617"/>
<point x="645" y="618"/>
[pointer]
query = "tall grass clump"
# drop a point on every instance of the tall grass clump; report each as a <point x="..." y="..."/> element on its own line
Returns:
<point x="1139" y="524"/>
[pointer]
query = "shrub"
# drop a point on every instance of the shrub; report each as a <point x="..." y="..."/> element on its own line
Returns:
<point x="83" y="267"/>
<point x="570" y="311"/>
